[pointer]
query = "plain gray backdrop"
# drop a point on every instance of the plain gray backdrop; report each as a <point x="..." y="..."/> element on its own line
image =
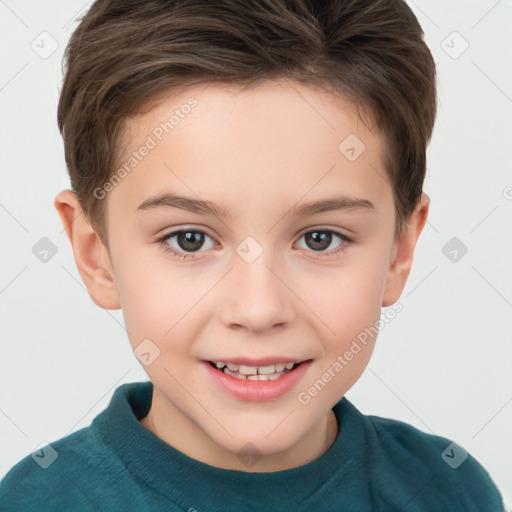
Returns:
<point x="443" y="364"/>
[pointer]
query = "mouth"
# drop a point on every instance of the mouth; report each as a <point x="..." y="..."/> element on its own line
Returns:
<point x="245" y="372"/>
<point x="272" y="378"/>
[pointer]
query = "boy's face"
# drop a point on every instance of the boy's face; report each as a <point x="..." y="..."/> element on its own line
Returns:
<point x="264" y="281"/>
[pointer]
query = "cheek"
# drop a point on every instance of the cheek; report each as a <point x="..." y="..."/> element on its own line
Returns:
<point x="352" y="310"/>
<point x="349" y="303"/>
<point x="154" y="301"/>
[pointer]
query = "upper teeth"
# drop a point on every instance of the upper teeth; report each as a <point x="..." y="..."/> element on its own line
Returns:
<point x="253" y="370"/>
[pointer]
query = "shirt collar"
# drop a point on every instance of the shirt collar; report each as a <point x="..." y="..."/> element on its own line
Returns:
<point x="339" y="474"/>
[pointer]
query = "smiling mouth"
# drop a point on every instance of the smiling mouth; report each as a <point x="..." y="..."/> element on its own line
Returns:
<point x="242" y="372"/>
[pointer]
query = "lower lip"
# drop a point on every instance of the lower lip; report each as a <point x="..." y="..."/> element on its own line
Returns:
<point x="257" y="390"/>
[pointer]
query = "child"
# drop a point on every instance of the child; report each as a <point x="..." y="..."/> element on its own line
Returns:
<point x="250" y="176"/>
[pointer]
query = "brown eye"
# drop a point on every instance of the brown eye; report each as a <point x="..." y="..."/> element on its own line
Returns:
<point x="320" y="240"/>
<point x="190" y="240"/>
<point x="186" y="241"/>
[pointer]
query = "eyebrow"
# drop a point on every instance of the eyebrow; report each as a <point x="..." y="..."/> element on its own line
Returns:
<point x="171" y="200"/>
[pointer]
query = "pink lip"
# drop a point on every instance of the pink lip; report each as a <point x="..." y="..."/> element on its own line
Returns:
<point x="257" y="390"/>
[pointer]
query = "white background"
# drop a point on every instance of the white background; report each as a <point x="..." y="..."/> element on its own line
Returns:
<point x="443" y="364"/>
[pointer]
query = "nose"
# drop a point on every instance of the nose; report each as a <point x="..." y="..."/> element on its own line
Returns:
<point x="256" y="297"/>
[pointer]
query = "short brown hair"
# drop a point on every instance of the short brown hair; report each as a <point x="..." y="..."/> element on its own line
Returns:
<point x="124" y="54"/>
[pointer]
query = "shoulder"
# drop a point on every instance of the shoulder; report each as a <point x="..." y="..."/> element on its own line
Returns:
<point x="83" y="471"/>
<point x="60" y="475"/>
<point x="421" y="471"/>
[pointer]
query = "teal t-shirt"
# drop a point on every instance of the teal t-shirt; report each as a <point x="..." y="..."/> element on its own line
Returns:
<point x="375" y="464"/>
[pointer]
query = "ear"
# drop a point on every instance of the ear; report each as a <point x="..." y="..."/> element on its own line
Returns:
<point x="91" y="256"/>
<point x="403" y="252"/>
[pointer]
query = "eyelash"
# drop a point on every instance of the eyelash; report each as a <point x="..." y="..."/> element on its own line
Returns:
<point x="183" y="256"/>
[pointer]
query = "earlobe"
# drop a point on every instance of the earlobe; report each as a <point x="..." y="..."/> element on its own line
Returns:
<point x="403" y="252"/>
<point x="91" y="256"/>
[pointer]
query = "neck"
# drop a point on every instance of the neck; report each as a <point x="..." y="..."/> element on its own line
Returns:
<point x="176" y="430"/>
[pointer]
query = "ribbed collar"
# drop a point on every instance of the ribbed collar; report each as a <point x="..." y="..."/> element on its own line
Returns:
<point x="340" y="475"/>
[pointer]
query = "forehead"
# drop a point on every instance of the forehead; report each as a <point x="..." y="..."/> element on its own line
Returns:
<point x="277" y="141"/>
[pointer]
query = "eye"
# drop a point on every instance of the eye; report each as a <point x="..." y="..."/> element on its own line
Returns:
<point x="321" y="239"/>
<point x="183" y="243"/>
<point x="187" y="240"/>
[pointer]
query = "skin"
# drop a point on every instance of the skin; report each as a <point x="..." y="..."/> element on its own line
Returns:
<point x="258" y="152"/>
